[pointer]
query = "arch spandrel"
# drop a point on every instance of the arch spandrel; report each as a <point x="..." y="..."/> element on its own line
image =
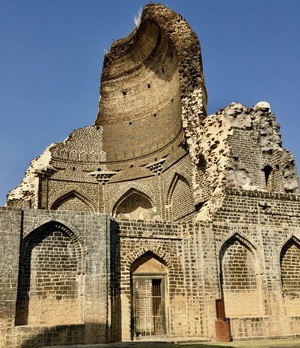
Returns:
<point x="73" y="201"/>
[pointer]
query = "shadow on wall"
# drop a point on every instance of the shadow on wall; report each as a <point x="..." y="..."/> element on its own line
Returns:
<point x="89" y="333"/>
<point x="34" y="336"/>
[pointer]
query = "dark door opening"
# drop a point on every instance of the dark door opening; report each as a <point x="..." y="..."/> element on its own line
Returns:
<point x="148" y="307"/>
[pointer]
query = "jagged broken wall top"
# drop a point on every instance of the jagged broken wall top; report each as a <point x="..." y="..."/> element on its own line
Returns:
<point x="241" y="148"/>
<point x="152" y="110"/>
<point x="156" y="69"/>
<point x="152" y="88"/>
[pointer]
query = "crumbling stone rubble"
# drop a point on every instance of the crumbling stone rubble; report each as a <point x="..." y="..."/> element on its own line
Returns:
<point x="242" y="149"/>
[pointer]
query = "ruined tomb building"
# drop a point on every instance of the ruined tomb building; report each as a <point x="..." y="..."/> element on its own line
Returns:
<point x="158" y="220"/>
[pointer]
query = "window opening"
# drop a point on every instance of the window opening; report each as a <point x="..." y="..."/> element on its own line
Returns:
<point x="268" y="170"/>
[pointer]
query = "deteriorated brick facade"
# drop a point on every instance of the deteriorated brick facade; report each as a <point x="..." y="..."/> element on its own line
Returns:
<point x="137" y="226"/>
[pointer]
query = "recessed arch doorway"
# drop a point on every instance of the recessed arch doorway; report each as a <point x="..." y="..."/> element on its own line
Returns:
<point x="149" y="295"/>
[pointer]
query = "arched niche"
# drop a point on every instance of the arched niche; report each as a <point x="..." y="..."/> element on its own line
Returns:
<point x="50" y="278"/>
<point x="290" y="276"/>
<point x="134" y="205"/>
<point x="180" y="198"/>
<point x="72" y="201"/>
<point x="240" y="285"/>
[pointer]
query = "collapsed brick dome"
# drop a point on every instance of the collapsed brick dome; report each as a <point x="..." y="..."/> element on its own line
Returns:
<point x="143" y="84"/>
<point x="153" y="101"/>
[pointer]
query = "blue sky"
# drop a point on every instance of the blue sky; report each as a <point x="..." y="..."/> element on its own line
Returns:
<point x="52" y="54"/>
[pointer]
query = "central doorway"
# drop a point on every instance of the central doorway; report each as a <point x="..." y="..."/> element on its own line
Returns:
<point x="148" y="298"/>
<point x="149" y="305"/>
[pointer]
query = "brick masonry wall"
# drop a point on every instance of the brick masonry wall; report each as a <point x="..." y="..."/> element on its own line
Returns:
<point x="239" y="284"/>
<point x="176" y="187"/>
<point x="10" y="228"/>
<point x="290" y="276"/>
<point x="182" y="201"/>
<point x="164" y="241"/>
<point x="264" y="223"/>
<point x="239" y="250"/>
<point x="200" y="277"/>
<point x="70" y="195"/>
<point x="73" y="203"/>
<point x="170" y="193"/>
<point x="49" y="276"/>
<point x="245" y="239"/>
<point x="248" y="252"/>
<point x="69" y="266"/>
<point x="243" y="145"/>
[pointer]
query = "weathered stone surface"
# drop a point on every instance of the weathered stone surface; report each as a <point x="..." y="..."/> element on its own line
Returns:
<point x="135" y="226"/>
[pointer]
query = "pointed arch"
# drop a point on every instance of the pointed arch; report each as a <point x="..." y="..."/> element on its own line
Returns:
<point x="241" y="239"/>
<point x="158" y="251"/>
<point x="290" y="241"/>
<point x="148" y="275"/>
<point x="239" y="277"/>
<point x="176" y="176"/>
<point x="290" y="275"/>
<point x="134" y="204"/>
<point x="52" y="268"/>
<point x="60" y="226"/>
<point x="146" y="260"/>
<point x="180" y="198"/>
<point x="117" y="196"/>
<point x="73" y="200"/>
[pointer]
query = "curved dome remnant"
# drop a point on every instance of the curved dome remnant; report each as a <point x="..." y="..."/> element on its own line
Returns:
<point x="148" y="87"/>
<point x="152" y="104"/>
